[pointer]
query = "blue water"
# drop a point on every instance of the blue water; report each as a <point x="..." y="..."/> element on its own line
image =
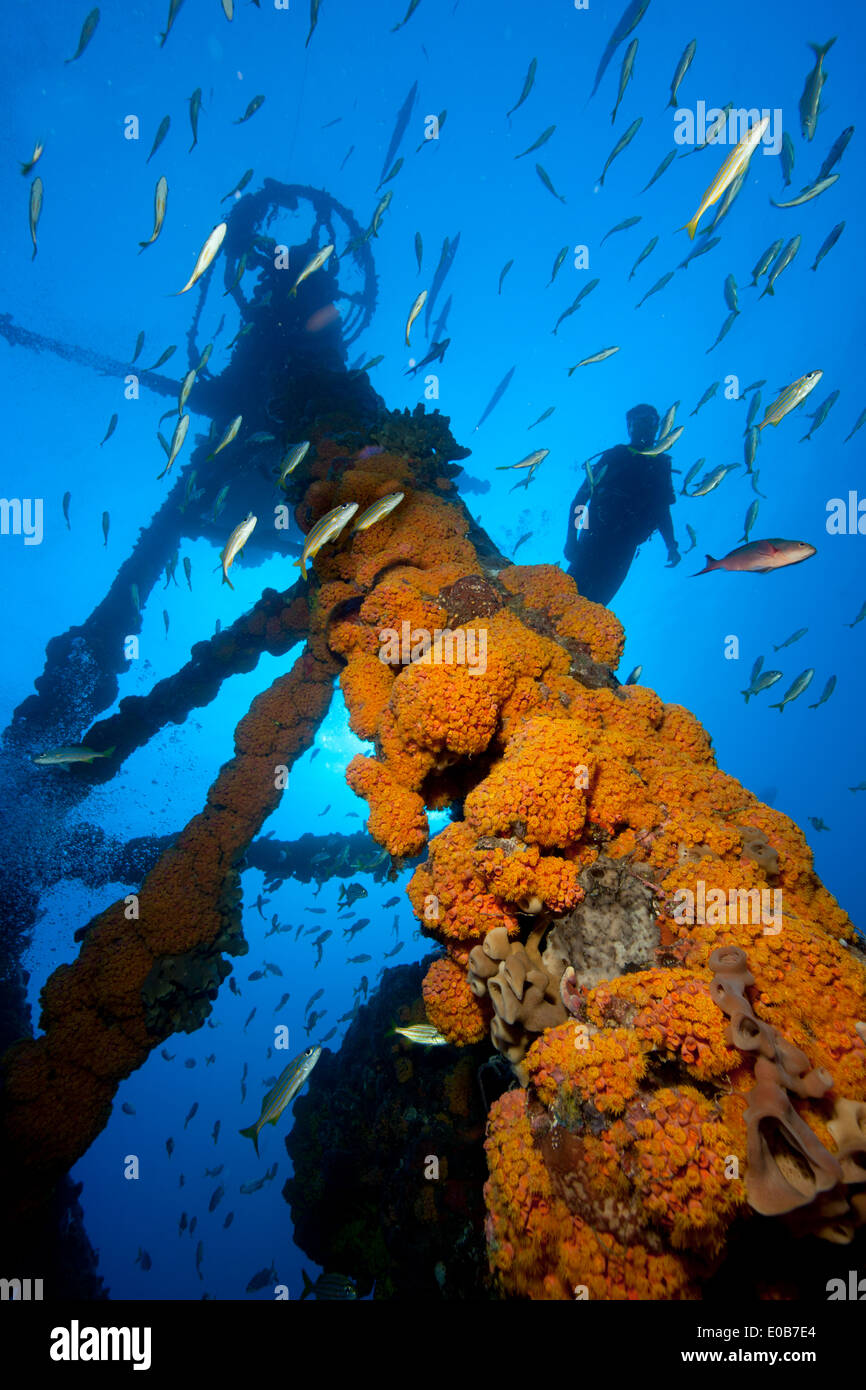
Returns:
<point x="88" y="286"/>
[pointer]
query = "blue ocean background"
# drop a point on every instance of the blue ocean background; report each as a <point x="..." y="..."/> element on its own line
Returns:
<point x="89" y="286"/>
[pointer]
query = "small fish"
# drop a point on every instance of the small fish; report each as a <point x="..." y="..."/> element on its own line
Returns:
<point x="786" y="154"/>
<point x="730" y="292"/>
<point x="620" y="145"/>
<point x="667" y="422"/>
<point x="784" y="259"/>
<point x="504" y="272"/>
<point x="816" y="821"/>
<point x="169" y="1057"/>
<point x="235" y="544"/>
<point x="760" y="683"/>
<point x="416" y="309"/>
<point x="314" y="19"/>
<point x="620" y="227"/>
<point x="825" y="693"/>
<point x="174" y="7"/>
<point x="413" y="5"/>
<point x="707" y="396"/>
<point x="544" y="416"/>
<point x="358" y="960"/>
<point x="377" y="512"/>
<point x="204" y="359"/>
<point x="790" y="398"/>
<point x="392" y="174"/>
<point x="327" y="528"/>
<point x="648" y="249"/>
<point x="379" y="214"/>
<point x="287" y="1087"/>
<point x="251" y="110"/>
<point x="575" y="305"/>
<point x="821" y="414"/>
<point x="169" y="1147"/>
<point x="206" y="255"/>
<point x="700" y="250"/>
<point x="139" y="344"/>
<point x="190" y="1062"/>
<point x="754" y="407"/>
<point x="681" y="69"/>
<point x="312" y="265"/>
<point x="829" y="243"/>
<point x="249" y="1019"/>
<point x="440" y="121"/>
<point x="106" y="523"/>
<point x="624" y="75"/>
<point x="736" y="163"/>
<point x="177" y="439"/>
<point x="88" y="29"/>
<point x="634" y="676"/>
<point x="556" y="265"/>
<point x="725" y="328"/>
<point x="191" y="1114"/>
<point x="546" y="180"/>
<point x="751" y="518"/>
<point x="67" y="498"/>
<point x="497" y="396"/>
<point x="814" y="190"/>
<point x="112" y="426"/>
<point x="860" y="787"/>
<point x="239" y="186"/>
<point x="419" y="249"/>
<point x="527" y="87"/>
<point x="161" y="132"/>
<point x="395" y="950"/>
<point x="665" y="164"/>
<point x="756" y="670"/>
<point x="659" y="285"/>
<point x="71" y="754"/>
<point x="789" y="641"/>
<point x="860" y="616"/>
<point x="693" y="471"/>
<point x="230" y="434"/>
<point x="162" y="359"/>
<point x="160" y="198"/>
<point x="712" y="480"/>
<point x="528" y="536"/>
<point x="436" y="354"/>
<point x="242" y="265"/>
<point x="667" y="442"/>
<point x="36" y="191"/>
<point x="810" y="100"/>
<point x="127" y="1108"/>
<point x="311" y="1001"/>
<point x="216" y="1197"/>
<point x="596" y="357"/>
<point x="295" y="456"/>
<point x="194" y="109"/>
<point x="860" y="420"/>
<point x="228" y="1221"/>
<point x="836" y="152"/>
<point x="423" y="1033"/>
<point x="31" y="163"/>
<point x="795" y="689"/>
<point x="692" y="537"/>
<point x="142" y="1257"/>
<point x="531" y="461"/>
<point x="181" y="1225"/>
<point x="765" y="261"/>
<point x="628" y="22"/>
<point x="714" y="130"/>
<point x="192" y="1224"/>
<point x="346" y="159"/>
<point x="542" y="140"/>
<point x="750" y="447"/>
<point x="165" y="620"/>
<point x="760" y="557"/>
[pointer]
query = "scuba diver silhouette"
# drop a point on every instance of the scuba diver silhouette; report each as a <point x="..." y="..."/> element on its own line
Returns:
<point x="631" y="496"/>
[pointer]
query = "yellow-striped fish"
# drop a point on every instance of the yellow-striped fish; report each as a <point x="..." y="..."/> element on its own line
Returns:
<point x="423" y="1033"/>
<point x="414" y="312"/>
<point x="35" y="210"/>
<point x="736" y="163"/>
<point x="76" y="754"/>
<point x="315" y="264"/>
<point x="34" y="158"/>
<point x="663" y="445"/>
<point x="287" y="1087"/>
<point x="790" y="398"/>
<point x="379" y="509"/>
<point x="229" y="435"/>
<point x="160" y="197"/>
<point x="235" y="544"/>
<point x="186" y="387"/>
<point x="206" y="255"/>
<point x="327" y="528"/>
<point x="531" y="461"/>
<point x="291" y="461"/>
<point x="177" y="439"/>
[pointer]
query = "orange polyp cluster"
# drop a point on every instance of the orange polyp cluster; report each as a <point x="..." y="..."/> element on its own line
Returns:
<point x="451" y="1006"/>
<point x="397" y="818"/>
<point x="552" y="772"/>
